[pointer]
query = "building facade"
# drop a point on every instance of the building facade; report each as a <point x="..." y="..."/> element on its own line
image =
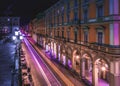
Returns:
<point x="83" y="35"/>
<point x="8" y="25"/>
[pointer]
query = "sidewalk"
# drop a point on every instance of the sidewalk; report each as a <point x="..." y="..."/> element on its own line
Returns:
<point x="72" y="76"/>
<point x="8" y="75"/>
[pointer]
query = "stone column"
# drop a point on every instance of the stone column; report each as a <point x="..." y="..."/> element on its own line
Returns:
<point x="95" y="75"/>
<point x="73" y="63"/>
<point x="114" y="27"/>
<point x="115" y="73"/>
<point x="67" y="61"/>
<point x="83" y="67"/>
<point x="57" y="52"/>
<point x="116" y="33"/>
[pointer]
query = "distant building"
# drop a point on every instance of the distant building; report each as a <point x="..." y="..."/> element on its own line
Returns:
<point x="84" y="36"/>
<point x="8" y="25"/>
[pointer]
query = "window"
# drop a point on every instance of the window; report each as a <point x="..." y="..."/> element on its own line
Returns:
<point x="58" y="19"/>
<point x="58" y="33"/>
<point x="68" y="17"/>
<point x="100" y="11"/>
<point x="75" y="35"/>
<point x="100" y="37"/>
<point x="75" y="3"/>
<point x="85" y="15"/>
<point x="68" y="5"/>
<point x="62" y="9"/>
<point x="68" y="35"/>
<point x="63" y="33"/>
<point x="75" y="16"/>
<point x="86" y="36"/>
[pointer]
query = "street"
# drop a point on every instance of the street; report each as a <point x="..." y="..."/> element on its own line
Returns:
<point x="44" y="74"/>
<point x="41" y="74"/>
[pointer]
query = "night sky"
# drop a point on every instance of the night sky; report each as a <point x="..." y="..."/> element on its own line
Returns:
<point x="26" y="9"/>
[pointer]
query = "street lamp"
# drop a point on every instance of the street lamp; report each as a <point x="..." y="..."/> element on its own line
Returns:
<point x="16" y="33"/>
<point x="20" y="37"/>
<point x="14" y="37"/>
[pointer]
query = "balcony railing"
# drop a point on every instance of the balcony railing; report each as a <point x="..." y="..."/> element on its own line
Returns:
<point x="99" y="2"/>
<point x="100" y="19"/>
<point x="111" y="49"/>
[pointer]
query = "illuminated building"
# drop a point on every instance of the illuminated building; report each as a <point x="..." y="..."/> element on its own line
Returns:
<point x="83" y="35"/>
<point x="8" y="25"/>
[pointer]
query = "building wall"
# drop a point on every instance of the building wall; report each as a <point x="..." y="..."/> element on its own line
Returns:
<point x="8" y="25"/>
<point x="80" y="35"/>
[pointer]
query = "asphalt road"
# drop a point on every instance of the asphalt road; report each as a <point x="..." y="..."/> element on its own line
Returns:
<point x="42" y="75"/>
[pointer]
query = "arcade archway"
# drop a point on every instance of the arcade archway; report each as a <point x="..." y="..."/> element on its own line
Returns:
<point x="101" y="72"/>
<point x="86" y="67"/>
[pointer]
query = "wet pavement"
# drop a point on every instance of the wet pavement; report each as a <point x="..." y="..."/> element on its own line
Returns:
<point x="7" y="54"/>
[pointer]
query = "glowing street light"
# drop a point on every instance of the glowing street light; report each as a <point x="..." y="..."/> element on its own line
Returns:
<point x="21" y="37"/>
<point x="16" y="33"/>
<point x="14" y="37"/>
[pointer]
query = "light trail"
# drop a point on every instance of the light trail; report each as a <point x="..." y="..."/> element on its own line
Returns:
<point x="61" y="75"/>
<point x="45" y="77"/>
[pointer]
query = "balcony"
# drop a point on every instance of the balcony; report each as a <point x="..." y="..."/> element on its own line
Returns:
<point x="100" y="19"/>
<point x="110" y="49"/>
<point x="76" y="22"/>
<point x="85" y="21"/>
<point x="69" y="23"/>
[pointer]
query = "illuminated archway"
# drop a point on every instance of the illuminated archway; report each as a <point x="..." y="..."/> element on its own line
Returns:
<point x="52" y="47"/>
<point x="55" y="49"/>
<point x="59" y="53"/>
<point x="86" y="66"/>
<point x="63" y="59"/>
<point x="76" y="60"/>
<point x="69" y="57"/>
<point x="47" y="46"/>
<point x="101" y="72"/>
<point x="63" y="55"/>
